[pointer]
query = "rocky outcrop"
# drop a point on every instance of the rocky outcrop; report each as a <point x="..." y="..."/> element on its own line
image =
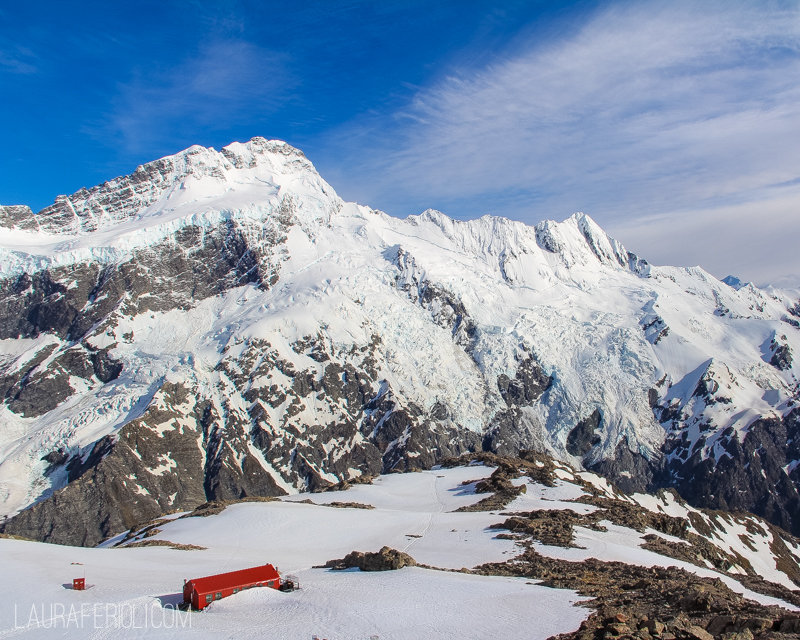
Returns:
<point x="445" y="308"/>
<point x="527" y="386"/>
<point x="154" y="465"/>
<point x="187" y="450"/>
<point x="17" y="217"/>
<point x="583" y="436"/>
<point x="514" y="429"/>
<point x="655" y="329"/>
<point x="74" y="302"/>
<point x="651" y="602"/>
<point x="387" y="559"/>
<point x="781" y="357"/>
<point x="630" y="470"/>
<point x="33" y="390"/>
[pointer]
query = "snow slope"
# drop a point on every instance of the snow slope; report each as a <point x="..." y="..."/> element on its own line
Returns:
<point x="410" y="603"/>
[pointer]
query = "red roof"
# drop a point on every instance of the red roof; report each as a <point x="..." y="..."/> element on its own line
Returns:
<point x="235" y="579"/>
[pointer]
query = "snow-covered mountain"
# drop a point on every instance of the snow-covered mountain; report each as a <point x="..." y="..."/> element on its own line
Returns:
<point x="222" y="324"/>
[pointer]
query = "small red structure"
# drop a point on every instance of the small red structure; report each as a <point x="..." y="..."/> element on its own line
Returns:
<point x="79" y="584"/>
<point x="201" y="592"/>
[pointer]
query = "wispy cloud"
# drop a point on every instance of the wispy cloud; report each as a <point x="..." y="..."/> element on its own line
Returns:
<point x="16" y="59"/>
<point x="226" y="83"/>
<point x="643" y="110"/>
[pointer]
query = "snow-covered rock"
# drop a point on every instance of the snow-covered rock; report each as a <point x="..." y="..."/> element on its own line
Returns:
<point x="220" y="324"/>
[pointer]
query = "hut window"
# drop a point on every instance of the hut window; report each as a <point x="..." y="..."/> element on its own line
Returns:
<point x="219" y="595"/>
<point x="209" y="597"/>
<point x="236" y="591"/>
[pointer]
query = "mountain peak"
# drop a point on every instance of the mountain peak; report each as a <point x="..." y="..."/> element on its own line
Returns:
<point x="176" y="178"/>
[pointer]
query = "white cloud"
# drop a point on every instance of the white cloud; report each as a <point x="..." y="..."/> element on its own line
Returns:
<point x="756" y="241"/>
<point x="228" y="82"/>
<point x="645" y="109"/>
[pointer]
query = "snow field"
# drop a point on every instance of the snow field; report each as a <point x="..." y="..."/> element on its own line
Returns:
<point x="413" y="512"/>
<point x="410" y="603"/>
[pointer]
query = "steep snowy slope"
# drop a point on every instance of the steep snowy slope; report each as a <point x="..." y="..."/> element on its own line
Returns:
<point x="221" y="324"/>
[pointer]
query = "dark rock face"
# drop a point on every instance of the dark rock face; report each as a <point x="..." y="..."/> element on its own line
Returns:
<point x="73" y="302"/>
<point x="655" y="329"/>
<point x="781" y="357"/>
<point x="720" y="469"/>
<point x="445" y="308"/>
<point x="409" y="440"/>
<point x="152" y="467"/>
<point x="154" y="464"/>
<point x="582" y="438"/>
<point x="33" y="392"/>
<point x="16" y="217"/>
<point x="193" y="266"/>
<point x="749" y="475"/>
<point x="510" y="432"/>
<point x="527" y="386"/>
<point x="512" y="429"/>
<point x="628" y="469"/>
<point x="381" y="434"/>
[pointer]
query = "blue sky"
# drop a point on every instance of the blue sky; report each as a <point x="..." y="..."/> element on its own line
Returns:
<point x="676" y="125"/>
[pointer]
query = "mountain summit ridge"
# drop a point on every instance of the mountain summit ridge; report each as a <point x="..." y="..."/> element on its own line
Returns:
<point x="229" y="326"/>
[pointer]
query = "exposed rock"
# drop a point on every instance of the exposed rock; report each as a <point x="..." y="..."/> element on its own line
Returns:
<point x="335" y="505"/>
<point x="655" y="329"/>
<point x="386" y="559"/>
<point x="37" y="391"/>
<point x="218" y="506"/>
<point x="114" y="488"/>
<point x="781" y="357"/>
<point x="17" y="217"/>
<point x="627" y="469"/>
<point x="513" y="430"/>
<point x="553" y="528"/>
<point x="661" y="602"/>
<point x="445" y="308"/>
<point x="194" y="265"/>
<point x="349" y="505"/>
<point x="527" y="386"/>
<point x="163" y="543"/>
<point x="582" y="437"/>
<point x="750" y="475"/>
<point x="384" y="436"/>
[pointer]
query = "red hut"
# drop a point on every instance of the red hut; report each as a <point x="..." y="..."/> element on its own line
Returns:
<point x="201" y="592"/>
